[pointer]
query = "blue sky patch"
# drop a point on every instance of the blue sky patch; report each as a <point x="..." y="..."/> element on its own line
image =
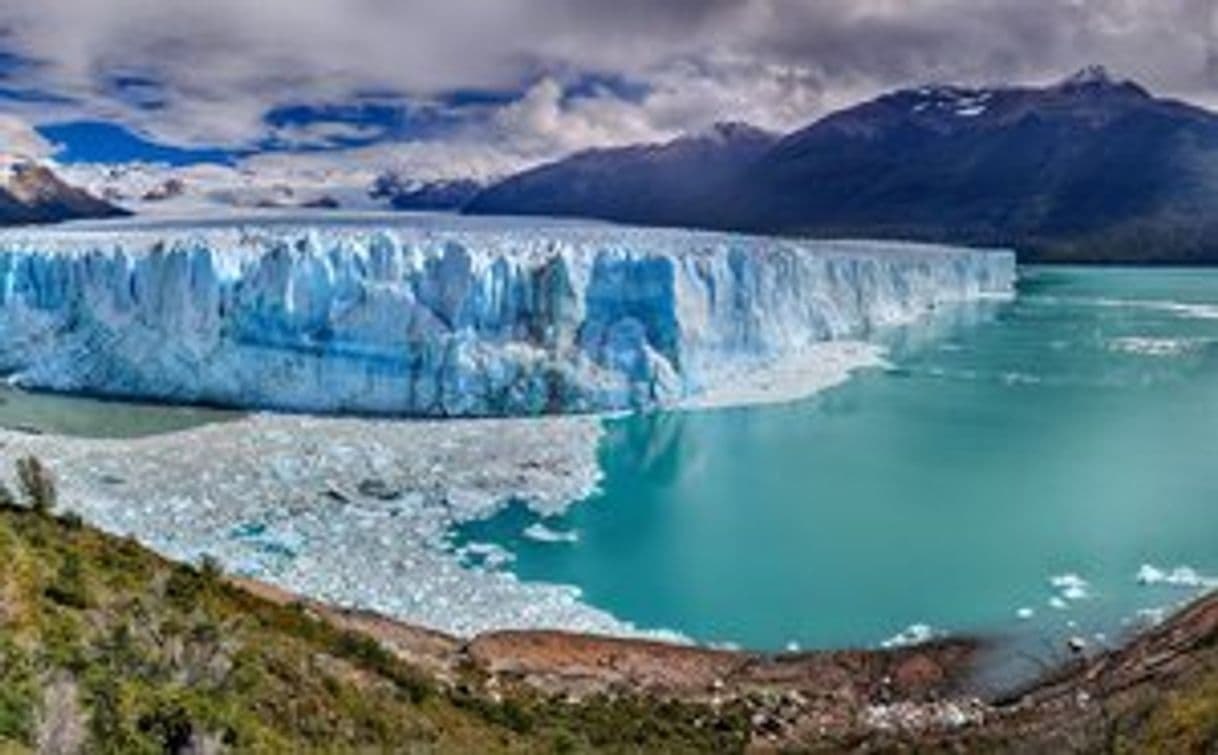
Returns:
<point x="99" y="142"/>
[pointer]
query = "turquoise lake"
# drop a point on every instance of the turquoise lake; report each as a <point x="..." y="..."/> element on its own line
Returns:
<point x="1071" y="433"/>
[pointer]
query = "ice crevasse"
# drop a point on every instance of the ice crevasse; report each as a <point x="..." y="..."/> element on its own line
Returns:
<point x="446" y="317"/>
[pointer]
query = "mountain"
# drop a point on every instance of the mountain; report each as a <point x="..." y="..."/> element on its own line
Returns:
<point x="680" y="182"/>
<point x="402" y="194"/>
<point x="33" y="193"/>
<point x="1092" y="169"/>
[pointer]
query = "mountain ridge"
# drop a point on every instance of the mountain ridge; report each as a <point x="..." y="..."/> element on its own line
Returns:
<point x="669" y="183"/>
<point x="31" y="192"/>
<point x="1091" y="168"/>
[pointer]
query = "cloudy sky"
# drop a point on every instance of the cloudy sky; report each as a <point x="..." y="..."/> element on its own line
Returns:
<point x="470" y="86"/>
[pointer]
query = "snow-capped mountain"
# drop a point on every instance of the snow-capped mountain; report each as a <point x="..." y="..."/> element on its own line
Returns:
<point x="1089" y="168"/>
<point x="159" y="189"/>
<point x="31" y="192"/>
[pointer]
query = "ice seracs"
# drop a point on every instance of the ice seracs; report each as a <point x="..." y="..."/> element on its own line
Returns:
<point x="445" y="317"/>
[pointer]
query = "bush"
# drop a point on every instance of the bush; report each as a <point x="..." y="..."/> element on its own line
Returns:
<point x="18" y="694"/>
<point x="69" y="588"/>
<point x="210" y="570"/>
<point x="169" y="725"/>
<point x="185" y="587"/>
<point x="72" y="521"/>
<point x="372" y="656"/>
<point x="37" y="484"/>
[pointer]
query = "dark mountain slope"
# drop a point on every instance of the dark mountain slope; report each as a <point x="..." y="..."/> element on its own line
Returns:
<point x="402" y="194"/>
<point x="32" y="193"/>
<point x="680" y="182"/>
<point x="1082" y="170"/>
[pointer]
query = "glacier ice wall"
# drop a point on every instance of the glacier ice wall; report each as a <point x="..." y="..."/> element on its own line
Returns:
<point x="444" y="318"/>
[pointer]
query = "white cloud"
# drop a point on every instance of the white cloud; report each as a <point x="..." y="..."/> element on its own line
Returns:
<point x="19" y="139"/>
<point x="222" y="64"/>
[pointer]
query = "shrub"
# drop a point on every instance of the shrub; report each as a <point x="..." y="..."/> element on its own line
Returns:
<point x="17" y="694"/>
<point x="185" y="587"/>
<point x="69" y="588"/>
<point x="371" y="655"/>
<point x="210" y="570"/>
<point x="168" y="724"/>
<point x="72" y="521"/>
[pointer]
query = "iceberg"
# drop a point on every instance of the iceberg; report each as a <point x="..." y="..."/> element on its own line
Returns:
<point x="431" y="316"/>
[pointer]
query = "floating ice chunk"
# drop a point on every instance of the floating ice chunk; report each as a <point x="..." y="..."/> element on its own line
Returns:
<point x="1191" y="310"/>
<point x="1149" y="574"/>
<point x="1155" y="347"/>
<point x="1180" y="576"/>
<point x="543" y="534"/>
<point x="1058" y="603"/>
<point x="1025" y="613"/>
<point x="914" y="634"/>
<point x="1152" y="615"/>
<point x="1021" y="378"/>
<point x="1188" y="310"/>
<point x="490" y="555"/>
<point x="1071" y="587"/>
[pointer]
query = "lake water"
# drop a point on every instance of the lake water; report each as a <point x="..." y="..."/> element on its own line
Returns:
<point x="93" y="418"/>
<point x="1010" y="475"/>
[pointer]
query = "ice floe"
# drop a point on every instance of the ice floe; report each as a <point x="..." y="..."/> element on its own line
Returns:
<point x="914" y="634"/>
<point x="352" y="511"/>
<point x="1187" y="310"/>
<point x="543" y="534"/>
<point x="1179" y="576"/>
<point x="1070" y="587"/>
<point x="1156" y="347"/>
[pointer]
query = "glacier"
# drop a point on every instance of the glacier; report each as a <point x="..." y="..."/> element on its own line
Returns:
<point x="444" y="316"/>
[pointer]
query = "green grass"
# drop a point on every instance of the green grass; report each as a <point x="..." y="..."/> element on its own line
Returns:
<point x="161" y="655"/>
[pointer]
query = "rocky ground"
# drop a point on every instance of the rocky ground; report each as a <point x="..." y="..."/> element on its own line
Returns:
<point x="1158" y="693"/>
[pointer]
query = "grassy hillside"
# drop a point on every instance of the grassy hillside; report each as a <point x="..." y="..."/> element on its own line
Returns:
<point x="107" y="648"/>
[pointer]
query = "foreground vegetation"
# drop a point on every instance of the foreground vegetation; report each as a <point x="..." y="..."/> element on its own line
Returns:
<point x="107" y="648"/>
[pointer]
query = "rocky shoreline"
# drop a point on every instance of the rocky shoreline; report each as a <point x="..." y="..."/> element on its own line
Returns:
<point x="890" y="699"/>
